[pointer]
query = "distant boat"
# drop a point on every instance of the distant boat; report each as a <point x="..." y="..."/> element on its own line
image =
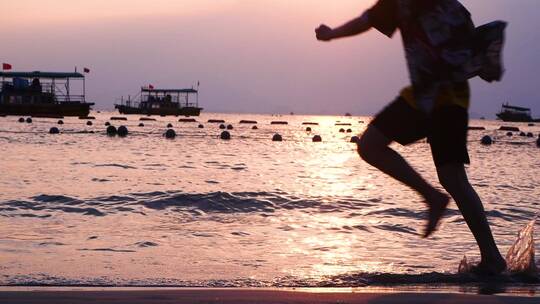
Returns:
<point x="42" y="94"/>
<point x="163" y="102"/>
<point x="515" y="114"/>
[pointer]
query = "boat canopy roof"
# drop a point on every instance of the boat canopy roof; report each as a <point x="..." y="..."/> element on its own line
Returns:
<point x="165" y="91"/>
<point x="506" y="106"/>
<point x="39" y="74"/>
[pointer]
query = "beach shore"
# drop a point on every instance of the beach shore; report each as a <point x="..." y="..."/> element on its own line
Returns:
<point x="165" y="296"/>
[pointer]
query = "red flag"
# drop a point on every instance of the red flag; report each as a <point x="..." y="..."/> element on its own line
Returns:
<point x="6" y="66"/>
<point x="151" y="87"/>
<point x="86" y="70"/>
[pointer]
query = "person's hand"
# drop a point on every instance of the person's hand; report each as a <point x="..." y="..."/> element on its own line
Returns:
<point x="324" y="33"/>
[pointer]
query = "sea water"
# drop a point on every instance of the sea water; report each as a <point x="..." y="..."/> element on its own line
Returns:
<point x="83" y="208"/>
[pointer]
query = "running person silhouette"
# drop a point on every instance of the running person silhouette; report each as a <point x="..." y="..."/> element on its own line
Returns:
<point x="435" y="36"/>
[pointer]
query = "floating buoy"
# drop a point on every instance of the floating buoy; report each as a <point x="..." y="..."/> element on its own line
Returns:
<point x="118" y="118"/>
<point x="254" y="128"/>
<point x="216" y="121"/>
<point x="88" y="123"/>
<point x="531" y="125"/>
<point x="523" y="134"/>
<point x="29" y="120"/>
<point x="187" y="120"/>
<point x="60" y="122"/>
<point x="222" y="127"/>
<point x="169" y="125"/>
<point x="486" y="140"/>
<point x="54" y="130"/>
<point x="310" y="123"/>
<point x="355" y="139"/>
<point x="308" y="129"/>
<point x="341" y="130"/>
<point x="21" y="119"/>
<point x="277" y="137"/>
<point x="111" y="130"/>
<point x="146" y="119"/>
<point x="107" y="124"/>
<point x="530" y="135"/>
<point x="141" y="125"/>
<point x="317" y="138"/>
<point x="279" y="123"/>
<point x="349" y="130"/>
<point x="248" y="122"/>
<point x="477" y="128"/>
<point x="230" y="127"/>
<point x="170" y="134"/>
<point x="225" y="135"/>
<point x="538" y="142"/>
<point x="507" y="128"/>
<point x="87" y="118"/>
<point x="122" y="131"/>
<point x="343" y="124"/>
<point x="509" y="134"/>
<point x="201" y="126"/>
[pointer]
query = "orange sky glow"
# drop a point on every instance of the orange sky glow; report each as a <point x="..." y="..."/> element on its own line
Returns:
<point x="249" y="55"/>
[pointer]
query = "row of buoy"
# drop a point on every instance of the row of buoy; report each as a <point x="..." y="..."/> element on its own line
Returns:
<point x="123" y="131"/>
<point x="522" y="134"/>
<point x="28" y="120"/>
<point x="221" y="126"/>
<point x="226" y="135"/>
<point x="487" y="140"/>
<point x="228" y="127"/>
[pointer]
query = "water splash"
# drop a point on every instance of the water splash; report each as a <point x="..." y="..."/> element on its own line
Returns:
<point x="464" y="265"/>
<point x="520" y="258"/>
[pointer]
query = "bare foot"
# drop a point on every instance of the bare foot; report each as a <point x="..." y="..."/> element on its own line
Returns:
<point x="437" y="204"/>
<point x="489" y="268"/>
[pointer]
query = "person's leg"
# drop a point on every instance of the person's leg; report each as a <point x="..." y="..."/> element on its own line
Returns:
<point x="374" y="148"/>
<point x="453" y="178"/>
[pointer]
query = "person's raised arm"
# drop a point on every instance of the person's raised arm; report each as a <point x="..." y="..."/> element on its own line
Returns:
<point x="351" y="28"/>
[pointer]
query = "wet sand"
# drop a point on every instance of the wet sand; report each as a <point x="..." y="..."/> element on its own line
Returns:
<point x="244" y="296"/>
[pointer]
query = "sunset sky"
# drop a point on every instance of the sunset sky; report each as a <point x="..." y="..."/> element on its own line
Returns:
<point x="249" y="55"/>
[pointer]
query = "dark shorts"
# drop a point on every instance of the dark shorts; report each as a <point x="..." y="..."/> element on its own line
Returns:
<point x="446" y="130"/>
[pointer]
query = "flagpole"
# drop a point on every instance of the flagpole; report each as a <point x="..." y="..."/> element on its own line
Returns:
<point x="3" y="78"/>
<point x="198" y="84"/>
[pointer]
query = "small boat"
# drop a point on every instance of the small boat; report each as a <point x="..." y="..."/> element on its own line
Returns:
<point x="42" y="94"/>
<point x="515" y="114"/>
<point x="163" y="102"/>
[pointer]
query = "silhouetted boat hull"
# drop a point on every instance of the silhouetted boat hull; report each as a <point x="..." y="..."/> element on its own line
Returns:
<point x="184" y="111"/>
<point x="515" y="114"/>
<point x="162" y="102"/>
<point x="42" y="94"/>
<point x="47" y="109"/>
